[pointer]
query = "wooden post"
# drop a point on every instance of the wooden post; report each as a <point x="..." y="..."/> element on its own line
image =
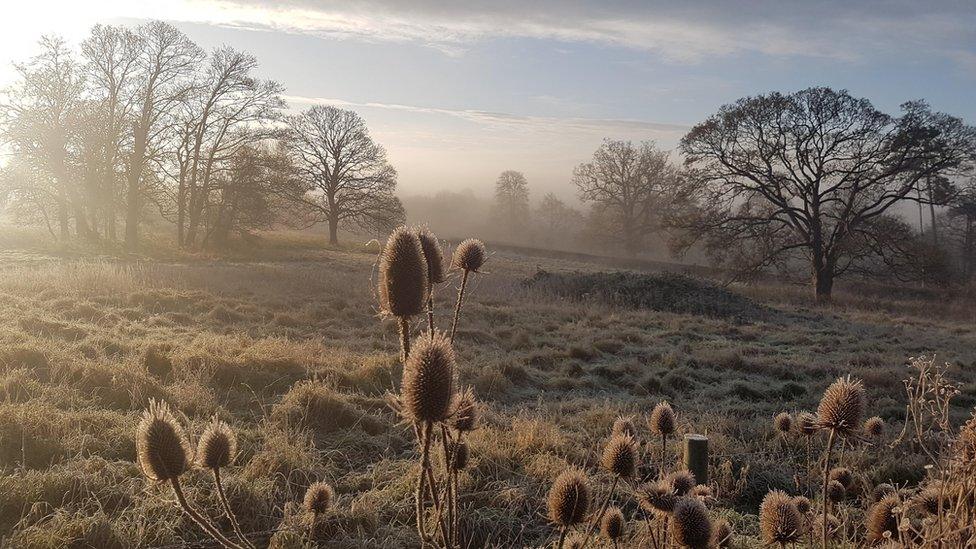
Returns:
<point x="696" y="457"/>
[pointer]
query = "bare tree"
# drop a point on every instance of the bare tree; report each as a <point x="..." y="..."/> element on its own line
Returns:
<point x="510" y="213"/>
<point x="166" y="63"/>
<point x="347" y="179"/>
<point x="628" y="182"/>
<point x="40" y="124"/>
<point x="805" y="175"/>
<point x="557" y="222"/>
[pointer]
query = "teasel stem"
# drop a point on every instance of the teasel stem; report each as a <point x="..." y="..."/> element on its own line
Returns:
<point x="227" y="511"/>
<point x="427" y="470"/>
<point x="430" y="312"/>
<point x="826" y="480"/>
<point x="448" y="501"/>
<point x="664" y="446"/>
<point x="404" y="338"/>
<point x="420" y="499"/>
<point x="562" y="538"/>
<point x="199" y="519"/>
<point x="457" y="307"/>
<point x="603" y="509"/>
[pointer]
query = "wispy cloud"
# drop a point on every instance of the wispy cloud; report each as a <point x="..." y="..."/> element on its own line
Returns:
<point x="602" y="126"/>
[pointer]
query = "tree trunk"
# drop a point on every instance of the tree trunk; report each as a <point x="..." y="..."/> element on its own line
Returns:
<point x="133" y="195"/>
<point x="823" y="283"/>
<point x="333" y="231"/>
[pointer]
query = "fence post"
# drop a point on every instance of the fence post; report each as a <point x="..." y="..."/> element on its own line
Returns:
<point x="696" y="457"/>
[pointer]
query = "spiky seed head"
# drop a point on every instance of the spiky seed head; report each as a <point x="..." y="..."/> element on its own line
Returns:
<point x="722" y="534"/>
<point x="465" y="416"/>
<point x="882" y="490"/>
<point x="162" y="448"/>
<point x="433" y="255"/>
<point x="836" y="491"/>
<point x="842" y="475"/>
<point x="783" y="422"/>
<point x="624" y="426"/>
<point x="704" y="493"/>
<point x="217" y="446"/>
<point x="469" y="255"/>
<point x="612" y="525"/>
<point x="575" y="541"/>
<point x="928" y="499"/>
<point x="802" y="504"/>
<point x="779" y="519"/>
<point x="662" y="421"/>
<point x="964" y="447"/>
<point x="656" y="497"/>
<point x="874" y="427"/>
<point x="429" y="379"/>
<point x="806" y="423"/>
<point x="620" y="456"/>
<point x="459" y="451"/>
<point x="842" y="406"/>
<point x="318" y="498"/>
<point x="403" y="282"/>
<point x="682" y="482"/>
<point x="833" y="525"/>
<point x="881" y="518"/>
<point x="569" y="498"/>
<point x="691" y="525"/>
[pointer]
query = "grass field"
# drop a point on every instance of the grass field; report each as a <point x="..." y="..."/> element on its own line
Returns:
<point x="290" y="350"/>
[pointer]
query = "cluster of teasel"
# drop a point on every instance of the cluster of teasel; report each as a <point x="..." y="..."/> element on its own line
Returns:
<point x="165" y="454"/>
<point x="430" y="400"/>
<point x="673" y="505"/>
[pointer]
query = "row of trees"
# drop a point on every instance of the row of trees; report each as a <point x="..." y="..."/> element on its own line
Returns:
<point x="142" y="124"/>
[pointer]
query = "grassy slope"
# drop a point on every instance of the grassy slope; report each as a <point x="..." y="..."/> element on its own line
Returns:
<point x="294" y="356"/>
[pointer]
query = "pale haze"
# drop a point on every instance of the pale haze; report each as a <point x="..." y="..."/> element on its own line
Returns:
<point x="458" y="92"/>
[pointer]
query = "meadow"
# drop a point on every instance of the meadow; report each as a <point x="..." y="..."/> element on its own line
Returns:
<point x="287" y="345"/>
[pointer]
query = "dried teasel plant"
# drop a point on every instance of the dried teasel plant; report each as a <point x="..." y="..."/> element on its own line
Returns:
<point x="883" y="517"/>
<point x="779" y="519"/>
<point x="403" y="282"/>
<point x="436" y="273"/>
<point x="839" y="412"/>
<point x="164" y="455"/>
<point x="319" y="497"/>
<point x="722" y="535"/>
<point x="662" y="422"/>
<point x="619" y="458"/>
<point x="690" y="525"/>
<point x="613" y="525"/>
<point x="216" y="449"/>
<point x="568" y="501"/>
<point x="469" y="256"/>
<point x="624" y="426"/>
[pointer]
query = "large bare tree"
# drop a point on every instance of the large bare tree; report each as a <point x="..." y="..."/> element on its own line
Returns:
<point x="347" y="179"/>
<point x="510" y="212"/>
<point x="627" y="183"/>
<point x="808" y="175"/>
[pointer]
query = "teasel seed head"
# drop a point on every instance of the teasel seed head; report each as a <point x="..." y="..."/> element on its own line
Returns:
<point x="318" y="498"/>
<point x="833" y="525"/>
<point x="459" y="451"/>
<point x="433" y="255"/>
<point x="874" y="427"/>
<point x="802" y="504"/>
<point x="691" y="525"/>
<point x="662" y="421"/>
<point x="217" y="446"/>
<point x="656" y="497"/>
<point x="842" y="475"/>
<point x="704" y="493"/>
<point x="624" y="426"/>
<point x="928" y="499"/>
<point x="612" y="524"/>
<point x="721" y="534"/>
<point x="469" y="255"/>
<point x="575" y="541"/>
<point x="465" y="416"/>
<point x="881" y="518"/>
<point x="842" y="406"/>
<point x="882" y="490"/>
<point x="569" y="498"/>
<point x="964" y="447"/>
<point x="429" y="376"/>
<point x="682" y="482"/>
<point x="783" y="422"/>
<point x="620" y="456"/>
<point x="806" y="423"/>
<point x="403" y="284"/>
<point x="162" y="448"/>
<point x="779" y="519"/>
<point x="836" y="491"/>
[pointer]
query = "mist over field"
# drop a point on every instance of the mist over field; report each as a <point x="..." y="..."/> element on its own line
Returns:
<point x="422" y="274"/>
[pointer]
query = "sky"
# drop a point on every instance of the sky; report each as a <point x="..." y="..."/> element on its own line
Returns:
<point x="459" y="91"/>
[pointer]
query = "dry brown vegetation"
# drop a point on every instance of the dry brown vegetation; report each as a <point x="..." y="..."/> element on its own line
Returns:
<point x="292" y="353"/>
